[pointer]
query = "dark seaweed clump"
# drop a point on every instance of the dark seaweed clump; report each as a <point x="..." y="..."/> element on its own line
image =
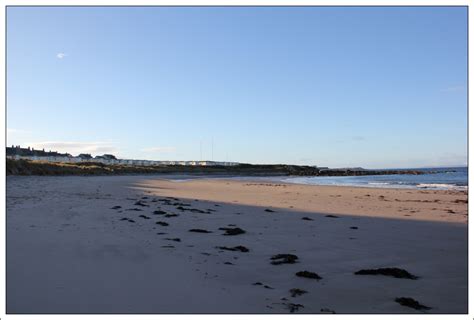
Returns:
<point x="284" y="258"/>
<point x="170" y="215"/>
<point x="308" y="274"/>
<point x="411" y="303"/>
<point x="232" y="231"/>
<point x="237" y="248"/>
<point x="391" y="272"/>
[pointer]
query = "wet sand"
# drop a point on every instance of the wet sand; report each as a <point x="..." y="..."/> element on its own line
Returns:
<point x="93" y="245"/>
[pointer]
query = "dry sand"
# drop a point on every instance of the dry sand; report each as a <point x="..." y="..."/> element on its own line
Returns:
<point x="69" y="252"/>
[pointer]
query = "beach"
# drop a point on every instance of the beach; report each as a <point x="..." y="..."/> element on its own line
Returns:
<point x="122" y="244"/>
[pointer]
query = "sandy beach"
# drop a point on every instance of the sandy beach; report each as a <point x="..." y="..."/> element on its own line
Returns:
<point x="122" y="244"/>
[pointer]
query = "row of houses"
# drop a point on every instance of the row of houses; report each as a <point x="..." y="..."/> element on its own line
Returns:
<point x="100" y="159"/>
<point x="17" y="153"/>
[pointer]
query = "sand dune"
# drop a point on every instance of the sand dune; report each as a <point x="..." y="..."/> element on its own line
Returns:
<point x="93" y="245"/>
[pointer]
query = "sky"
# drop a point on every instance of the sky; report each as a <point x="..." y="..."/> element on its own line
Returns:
<point x="372" y="87"/>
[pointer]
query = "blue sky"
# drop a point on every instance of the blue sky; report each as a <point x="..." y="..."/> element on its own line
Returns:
<point x="372" y="87"/>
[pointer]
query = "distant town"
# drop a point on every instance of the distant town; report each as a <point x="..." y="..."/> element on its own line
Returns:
<point x="17" y="153"/>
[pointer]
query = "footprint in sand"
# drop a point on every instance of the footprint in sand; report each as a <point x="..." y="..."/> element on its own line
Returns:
<point x="297" y="292"/>
<point x="140" y="203"/>
<point x="199" y="231"/>
<point x="232" y="231"/>
<point x="293" y="307"/>
<point x="263" y="285"/>
<point x="237" y="248"/>
<point x="327" y="310"/>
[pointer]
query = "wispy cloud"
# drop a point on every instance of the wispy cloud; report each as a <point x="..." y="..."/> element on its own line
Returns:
<point x="61" y="55"/>
<point x="159" y="150"/>
<point x="74" y="147"/>
<point x="358" y="138"/>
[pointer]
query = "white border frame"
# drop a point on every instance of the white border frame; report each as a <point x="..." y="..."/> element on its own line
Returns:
<point x="208" y="3"/>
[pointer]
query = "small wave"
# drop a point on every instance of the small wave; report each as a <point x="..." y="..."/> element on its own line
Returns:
<point x="443" y="186"/>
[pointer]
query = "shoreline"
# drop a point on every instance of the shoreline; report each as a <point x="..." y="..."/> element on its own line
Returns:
<point x="102" y="251"/>
<point x="281" y="180"/>
<point x="175" y="177"/>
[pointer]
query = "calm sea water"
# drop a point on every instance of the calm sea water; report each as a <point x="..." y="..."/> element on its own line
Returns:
<point x="455" y="178"/>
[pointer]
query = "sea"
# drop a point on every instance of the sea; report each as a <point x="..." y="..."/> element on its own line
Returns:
<point x="455" y="178"/>
<point x="452" y="178"/>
